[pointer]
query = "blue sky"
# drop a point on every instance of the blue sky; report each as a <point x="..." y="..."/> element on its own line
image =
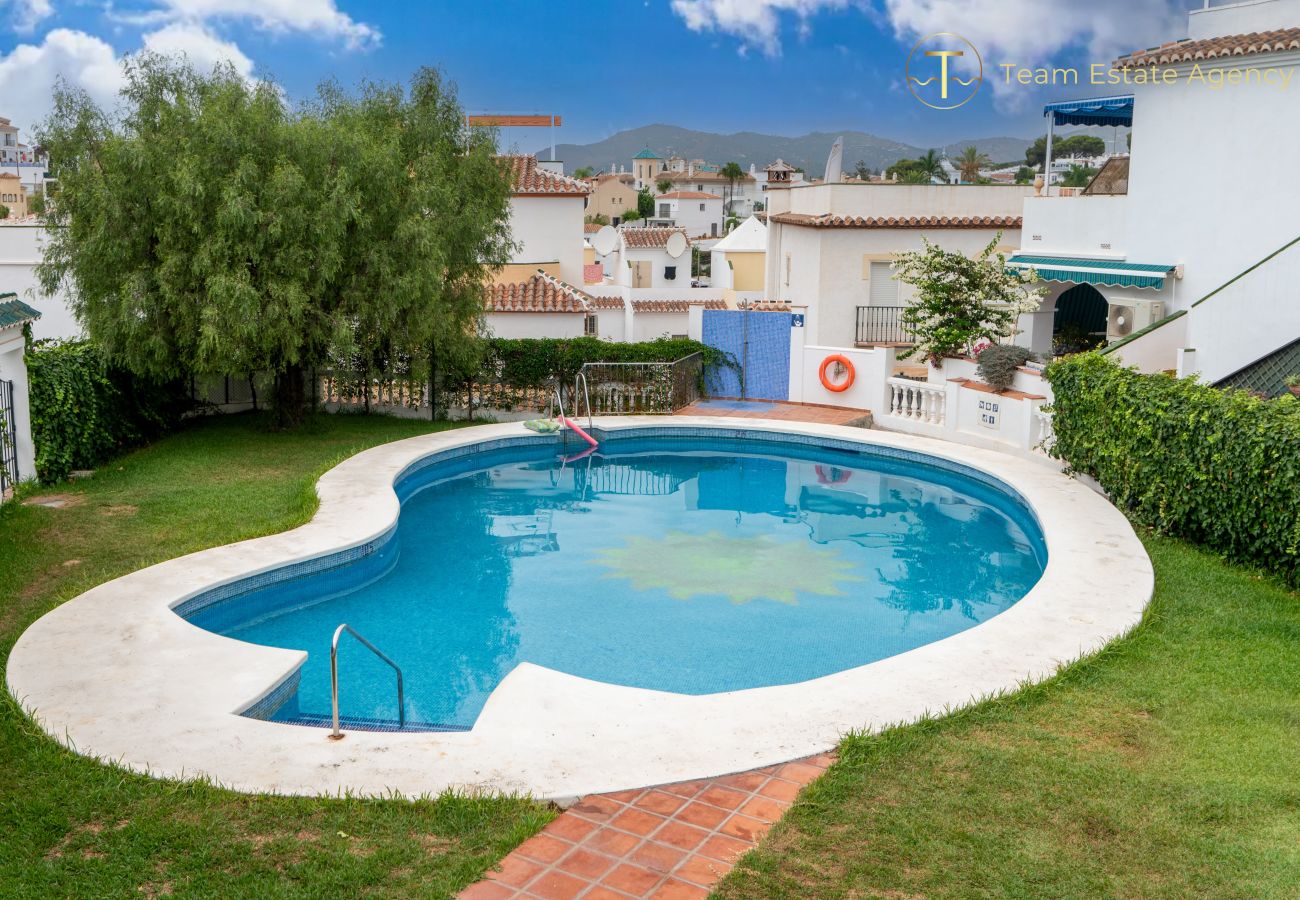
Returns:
<point x="780" y="66"/>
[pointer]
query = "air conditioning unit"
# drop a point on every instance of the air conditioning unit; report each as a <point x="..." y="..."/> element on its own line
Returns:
<point x="1128" y="316"/>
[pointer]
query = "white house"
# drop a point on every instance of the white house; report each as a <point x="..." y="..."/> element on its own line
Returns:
<point x="546" y="219"/>
<point x="652" y="258"/>
<point x="1191" y="243"/>
<point x="830" y="247"/>
<point x="17" y="453"/>
<point x="700" y="213"/>
<point x="22" y="244"/>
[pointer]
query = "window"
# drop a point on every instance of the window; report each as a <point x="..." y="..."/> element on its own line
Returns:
<point x="664" y="210"/>
<point x="701" y="207"/>
<point x="589" y="325"/>
<point x="700" y="188"/>
<point x="883" y="289"/>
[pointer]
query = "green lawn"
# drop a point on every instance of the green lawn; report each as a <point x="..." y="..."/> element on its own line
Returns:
<point x="1167" y="766"/>
<point x="72" y="827"/>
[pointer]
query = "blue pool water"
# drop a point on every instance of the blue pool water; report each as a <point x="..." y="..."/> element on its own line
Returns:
<point x="692" y="565"/>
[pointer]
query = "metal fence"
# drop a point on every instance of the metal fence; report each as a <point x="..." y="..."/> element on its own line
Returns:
<point x="881" y="325"/>
<point x="8" y="439"/>
<point x="639" y="388"/>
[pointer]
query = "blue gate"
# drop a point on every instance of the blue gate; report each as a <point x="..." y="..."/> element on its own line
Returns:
<point x="760" y="343"/>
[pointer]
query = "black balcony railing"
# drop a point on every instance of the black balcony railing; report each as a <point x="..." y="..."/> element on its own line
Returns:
<point x="881" y="325"/>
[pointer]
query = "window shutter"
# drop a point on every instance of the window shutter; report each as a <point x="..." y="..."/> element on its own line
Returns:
<point x="883" y="288"/>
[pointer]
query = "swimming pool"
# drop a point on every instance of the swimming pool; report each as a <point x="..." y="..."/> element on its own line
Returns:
<point x="687" y="561"/>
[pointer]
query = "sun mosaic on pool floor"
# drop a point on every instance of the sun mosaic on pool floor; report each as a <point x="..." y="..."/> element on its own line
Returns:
<point x="689" y="565"/>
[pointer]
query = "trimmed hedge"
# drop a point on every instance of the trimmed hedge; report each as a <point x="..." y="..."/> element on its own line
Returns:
<point x="85" y="411"/>
<point x="1219" y="467"/>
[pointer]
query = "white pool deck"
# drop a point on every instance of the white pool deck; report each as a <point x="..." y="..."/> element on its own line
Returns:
<point x="115" y="674"/>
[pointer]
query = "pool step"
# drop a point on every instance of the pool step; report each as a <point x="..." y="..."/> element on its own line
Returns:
<point x="363" y="723"/>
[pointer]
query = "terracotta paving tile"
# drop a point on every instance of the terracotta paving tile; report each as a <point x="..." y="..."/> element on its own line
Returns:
<point x="637" y="821"/>
<point x="723" y="797"/>
<point x="611" y="842"/>
<point x="603" y="893"/>
<point x="701" y="814"/>
<point x="679" y="890"/>
<point x="657" y="857"/>
<point x="745" y="828"/>
<point x="516" y="871"/>
<point x="585" y="864"/>
<point x="679" y="834"/>
<point x="597" y="808"/>
<point x="684" y="788"/>
<point x="743" y="781"/>
<point x="702" y="870"/>
<point x="798" y="772"/>
<point x="487" y="890"/>
<point x="632" y="880"/>
<point x="660" y="802"/>
<point x="764" y="809"/>
<point x="727" y="849"/>
<point x="558" y="886"/>
<point x="777" y="789"/>
<point x="674" y="841"/>
<point x="570" y="828"/>
<point x="543" y="848"/>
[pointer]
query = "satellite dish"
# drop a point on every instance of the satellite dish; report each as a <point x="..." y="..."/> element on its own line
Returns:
<point x="676" y="245"/>
<point x="605" y="240"/>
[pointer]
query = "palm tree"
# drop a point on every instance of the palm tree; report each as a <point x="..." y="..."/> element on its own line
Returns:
<point x="663" y="185"/>
<point x="970" y="163"/>
<point x="931" y="165"/>
<point x="733" y="173"/>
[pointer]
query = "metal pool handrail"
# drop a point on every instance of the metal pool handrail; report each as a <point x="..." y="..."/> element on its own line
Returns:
<point x="581" y="377"/>
<point x="334" y="676"/>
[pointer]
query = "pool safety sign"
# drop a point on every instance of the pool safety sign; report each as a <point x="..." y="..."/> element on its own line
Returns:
<point x="989" y="413"/>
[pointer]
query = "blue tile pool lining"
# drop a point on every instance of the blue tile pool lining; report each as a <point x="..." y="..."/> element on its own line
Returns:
<point x="285" y="690"/>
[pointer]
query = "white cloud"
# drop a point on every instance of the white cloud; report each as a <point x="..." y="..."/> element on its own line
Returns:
<point x="27" y="14"/>
<point x="1034" y="32"/>
<point x="28" y="73"/>
<point x="1026" y="32"/>
<point x="320" y="18"/>
<point x="199" y="45"/>
<point x="757" y="23"/>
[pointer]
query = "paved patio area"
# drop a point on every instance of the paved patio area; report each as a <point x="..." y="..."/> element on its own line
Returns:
<point x="671" y="842"/>
<point x="781" y="410"/>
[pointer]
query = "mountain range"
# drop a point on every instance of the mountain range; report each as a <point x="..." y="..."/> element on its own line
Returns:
<point x="808" y="151"/>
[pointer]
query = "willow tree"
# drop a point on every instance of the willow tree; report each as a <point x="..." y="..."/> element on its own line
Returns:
<point x="207" y="227"/>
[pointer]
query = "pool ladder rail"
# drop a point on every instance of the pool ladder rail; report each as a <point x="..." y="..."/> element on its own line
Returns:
<point x="336" y="734"/>
<point x="557" y="403"/>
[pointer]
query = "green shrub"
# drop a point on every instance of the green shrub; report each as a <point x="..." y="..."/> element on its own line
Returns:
<point x="84" y="411"/>
<point x="1218" y="467"/>
<point x="533" y="362"/>
<point x="997" y="364"/>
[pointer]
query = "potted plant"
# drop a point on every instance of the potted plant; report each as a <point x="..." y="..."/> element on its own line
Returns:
<point x="1292" y="383"/>
<point x="997" y="364"/>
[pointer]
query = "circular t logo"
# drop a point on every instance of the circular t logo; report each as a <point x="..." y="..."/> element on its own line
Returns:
<point x="935" y="75"/>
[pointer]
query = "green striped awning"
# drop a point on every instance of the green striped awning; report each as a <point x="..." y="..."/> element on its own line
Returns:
<point x="1076" y="270"/>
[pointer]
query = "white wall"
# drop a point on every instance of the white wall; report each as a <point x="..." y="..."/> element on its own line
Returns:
<point x="13" y="368"/>
<point x="659" y="260"/>
<point x="535" y="325"/>
<point x="687" y="214"/>
<point x="871" y="199"/>
<point x="1242" y="18"/>
<point x="1156" y="350"/>
<point x="549" y="229"/>
<point x="651" y="325"/>
<point x="1094" y="227"/>
<point x="21" y="248"/>
<point x="871" y="369"/>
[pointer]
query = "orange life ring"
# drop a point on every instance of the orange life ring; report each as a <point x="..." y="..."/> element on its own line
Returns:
<point x="848" y="367"/>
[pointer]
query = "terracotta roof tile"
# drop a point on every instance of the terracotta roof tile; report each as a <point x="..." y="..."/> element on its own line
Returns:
<point x="765" y="305"/>
<point x="606" y="302"/>
<point x="540" y="294"/>
<point x="591" y="227"/>
<point x="1251" y="44"/>
<point x="649" y="237"/>
<point x="527" y="178"/>
<point x="831" y="221"/>
<point x="675" y="305"/>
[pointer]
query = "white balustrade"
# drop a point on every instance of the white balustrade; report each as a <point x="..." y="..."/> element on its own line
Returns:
<point x="918" y="401"/>
<point x="1043" y="435"/>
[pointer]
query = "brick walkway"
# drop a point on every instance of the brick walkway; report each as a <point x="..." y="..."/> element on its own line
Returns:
<point x="778" y="409"/>
<point x="671" y="842"/>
